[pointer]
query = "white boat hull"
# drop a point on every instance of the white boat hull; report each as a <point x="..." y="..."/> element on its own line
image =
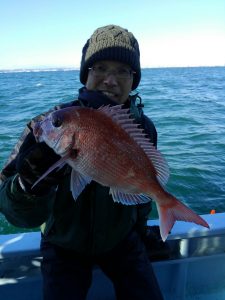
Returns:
<point x="196" y="269"/>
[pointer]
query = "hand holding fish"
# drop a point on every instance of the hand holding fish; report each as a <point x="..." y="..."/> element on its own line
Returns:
<point x="32" y="161"/>
<point x="106" y="146"/>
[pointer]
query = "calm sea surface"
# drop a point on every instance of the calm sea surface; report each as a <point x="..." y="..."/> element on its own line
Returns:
<point x="187" y="106"/>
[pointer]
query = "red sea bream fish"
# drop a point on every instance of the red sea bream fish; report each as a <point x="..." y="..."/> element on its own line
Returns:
<point x="106" y="145"/>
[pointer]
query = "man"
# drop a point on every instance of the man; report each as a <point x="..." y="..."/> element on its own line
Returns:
<point x="94" y="229"/>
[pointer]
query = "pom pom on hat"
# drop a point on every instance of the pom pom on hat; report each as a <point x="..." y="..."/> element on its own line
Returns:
<point x="111" y="43"/>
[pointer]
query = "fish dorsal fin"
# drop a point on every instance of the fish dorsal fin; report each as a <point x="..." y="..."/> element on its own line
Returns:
<point x="123" y="118"/>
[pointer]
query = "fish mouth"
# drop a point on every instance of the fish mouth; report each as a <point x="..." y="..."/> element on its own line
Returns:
<point x="41" y="136"/>
<point x="37" y="131"/>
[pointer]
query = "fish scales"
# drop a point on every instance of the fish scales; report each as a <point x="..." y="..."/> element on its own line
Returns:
<point x="114" y="153"/>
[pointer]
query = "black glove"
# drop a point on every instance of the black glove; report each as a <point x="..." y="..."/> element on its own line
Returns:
<point x="32" y="161"/>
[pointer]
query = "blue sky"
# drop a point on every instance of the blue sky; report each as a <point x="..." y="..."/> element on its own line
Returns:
<point x="51" y="33"/>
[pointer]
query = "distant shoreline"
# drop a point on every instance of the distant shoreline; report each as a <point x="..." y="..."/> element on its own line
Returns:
<point x="56" y="69"/>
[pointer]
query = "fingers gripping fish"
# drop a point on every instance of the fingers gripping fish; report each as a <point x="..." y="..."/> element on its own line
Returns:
<point x="106" y="145"/>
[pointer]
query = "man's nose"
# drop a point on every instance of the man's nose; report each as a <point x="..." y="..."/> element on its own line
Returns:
<point x="110" y="79"/>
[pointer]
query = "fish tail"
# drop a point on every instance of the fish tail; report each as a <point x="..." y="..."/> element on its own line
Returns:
<point x="176" y="211"/>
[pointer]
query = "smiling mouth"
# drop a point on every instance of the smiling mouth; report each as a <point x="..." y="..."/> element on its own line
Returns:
<point x="110" y="94"/>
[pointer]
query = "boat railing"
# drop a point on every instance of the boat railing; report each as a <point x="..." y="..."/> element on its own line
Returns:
<point x="194" y="253"/>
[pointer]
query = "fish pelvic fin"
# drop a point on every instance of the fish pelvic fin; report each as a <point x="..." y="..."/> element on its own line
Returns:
<point x="176" y="211"/>
<point x="78" y="183"/>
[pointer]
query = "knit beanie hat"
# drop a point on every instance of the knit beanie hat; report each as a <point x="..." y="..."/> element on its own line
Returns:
<point x="111" y="43"/>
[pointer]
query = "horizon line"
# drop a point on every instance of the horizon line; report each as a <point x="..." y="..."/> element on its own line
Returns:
<point x="60" y="68"/>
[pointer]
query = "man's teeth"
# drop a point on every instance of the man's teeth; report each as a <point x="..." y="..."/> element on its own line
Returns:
<point x="109" y="94"/>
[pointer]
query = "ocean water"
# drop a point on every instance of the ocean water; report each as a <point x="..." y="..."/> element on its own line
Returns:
<point x="187" y="106"/>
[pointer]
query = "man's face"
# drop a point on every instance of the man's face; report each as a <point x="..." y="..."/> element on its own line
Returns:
<point x="112" y="78"/>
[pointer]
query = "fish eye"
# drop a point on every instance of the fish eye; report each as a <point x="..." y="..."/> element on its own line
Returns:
<point x="57" y="120"/>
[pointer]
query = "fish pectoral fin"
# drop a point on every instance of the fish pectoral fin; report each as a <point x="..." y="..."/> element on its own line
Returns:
<point x="128" y="199"/>
<point x="78" y="182"/>
<point x="176" y="211"/>
<point x="59" y="164"/>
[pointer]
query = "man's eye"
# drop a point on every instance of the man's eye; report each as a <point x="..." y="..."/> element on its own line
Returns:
<point x="100" y="69"/>
<point x="122" y="72"/>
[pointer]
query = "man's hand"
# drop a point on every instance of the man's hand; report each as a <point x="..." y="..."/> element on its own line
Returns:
<point x="32" y="162"/>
